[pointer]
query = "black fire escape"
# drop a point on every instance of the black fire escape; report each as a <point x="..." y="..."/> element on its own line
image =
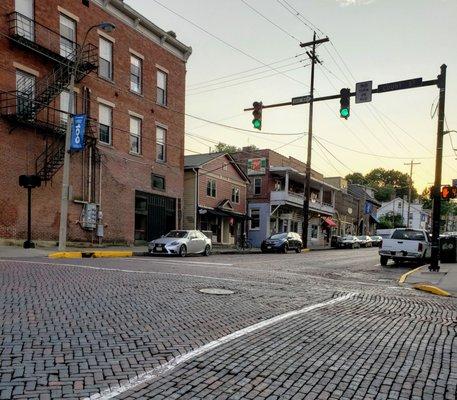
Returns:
<point x="30" y="104"/>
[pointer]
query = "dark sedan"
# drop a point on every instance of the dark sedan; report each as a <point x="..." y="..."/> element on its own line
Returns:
<point x="282" y="243"/>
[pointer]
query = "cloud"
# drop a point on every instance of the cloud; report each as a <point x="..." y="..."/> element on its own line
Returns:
<point x="345" y="3"/>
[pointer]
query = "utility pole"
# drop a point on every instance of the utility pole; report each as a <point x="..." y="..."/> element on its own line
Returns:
<point x="411" y="164"/>
<point x="314" y="59"/>
<point x="436" y="214"/>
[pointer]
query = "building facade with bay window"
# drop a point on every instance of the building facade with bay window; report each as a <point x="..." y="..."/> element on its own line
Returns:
<point x="127" y="184"/>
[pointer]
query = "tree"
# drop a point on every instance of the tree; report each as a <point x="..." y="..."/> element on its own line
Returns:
<point x="356" y="178"/>
<point x="225" y="148"/>
<point x="390" y="221"/>
<point x="386" y="183"/>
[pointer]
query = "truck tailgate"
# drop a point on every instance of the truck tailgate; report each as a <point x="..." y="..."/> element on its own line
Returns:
<point x="394" y="245"/>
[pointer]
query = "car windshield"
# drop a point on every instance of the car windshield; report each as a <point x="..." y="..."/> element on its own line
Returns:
<point x="376" y="237"/>
<point x="278" y="236"/>
<point x="407" y="234"/>
<point x="176" y="234"/>
<point x="348" y="237"/>
<point x="361" y="237"/>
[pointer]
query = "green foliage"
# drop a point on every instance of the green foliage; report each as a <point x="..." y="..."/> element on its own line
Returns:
<point x="225" y="148"/>
<point x="391" y="221"/>
<point x="387" y="184"/>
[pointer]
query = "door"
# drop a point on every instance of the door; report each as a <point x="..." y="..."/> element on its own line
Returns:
<point x="25" y="25"/>
<point x="161" y="215"/>
<point x="25" y="87"/>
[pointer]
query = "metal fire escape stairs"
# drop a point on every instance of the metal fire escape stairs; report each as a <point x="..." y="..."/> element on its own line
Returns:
<point x="29" y="105"/>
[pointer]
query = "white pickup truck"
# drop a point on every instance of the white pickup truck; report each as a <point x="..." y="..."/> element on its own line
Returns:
<point x="406" y="245"/>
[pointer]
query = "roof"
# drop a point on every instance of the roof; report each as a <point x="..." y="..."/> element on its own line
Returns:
<point x="360" y="192"/>
<point x="198" y="160"/>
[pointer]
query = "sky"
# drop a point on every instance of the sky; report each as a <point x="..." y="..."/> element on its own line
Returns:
<point x="240" y="56"/>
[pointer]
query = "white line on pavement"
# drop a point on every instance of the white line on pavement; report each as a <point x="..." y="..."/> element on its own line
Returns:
<point x="148" y="376"/>
<point x="162" y="261"/>
<point x="147" y="272"/>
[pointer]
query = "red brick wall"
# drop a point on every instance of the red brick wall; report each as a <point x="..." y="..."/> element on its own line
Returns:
<point x="214" y="170"/>
<point x="122" y="173"/>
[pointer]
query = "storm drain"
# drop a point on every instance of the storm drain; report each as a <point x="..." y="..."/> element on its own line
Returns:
<point x="216" y="291"/>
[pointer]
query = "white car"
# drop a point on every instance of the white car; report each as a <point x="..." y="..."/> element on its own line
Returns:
<point x="406" y="245"/>
<point x="181" y="243"/>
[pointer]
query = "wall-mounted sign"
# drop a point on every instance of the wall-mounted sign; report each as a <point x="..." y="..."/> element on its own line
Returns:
<point x="257" y="166"/>
<point x="77" y="132"/>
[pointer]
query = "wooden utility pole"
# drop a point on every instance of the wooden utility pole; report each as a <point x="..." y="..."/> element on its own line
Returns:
<point x="312" y="55"/>
<point x="411" y="164"/>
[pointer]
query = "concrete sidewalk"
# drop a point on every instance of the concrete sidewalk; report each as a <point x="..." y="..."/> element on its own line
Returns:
<point x="443" y="283"/>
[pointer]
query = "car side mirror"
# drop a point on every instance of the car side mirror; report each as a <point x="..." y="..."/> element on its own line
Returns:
<point x="162" y="236"/>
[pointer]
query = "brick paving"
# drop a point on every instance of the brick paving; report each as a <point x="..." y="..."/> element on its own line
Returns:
<point x="70" y="332"/>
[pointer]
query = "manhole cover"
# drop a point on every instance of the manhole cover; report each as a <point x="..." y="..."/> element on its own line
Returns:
<point x="217" y="291"/>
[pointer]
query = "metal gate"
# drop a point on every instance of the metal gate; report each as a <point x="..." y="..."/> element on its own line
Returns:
<point x="161" y="214"/>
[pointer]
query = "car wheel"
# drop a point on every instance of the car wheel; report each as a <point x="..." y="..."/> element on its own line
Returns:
<point x="298" y="249"/>
<point x="286" y="248"/>
<point x="353" y="246"/>
<point x="384" y="260"/>
<point x="207" y="251"/>
<point x="183" y="251"/>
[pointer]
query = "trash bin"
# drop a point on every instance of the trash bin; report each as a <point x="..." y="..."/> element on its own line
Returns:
<point x="448" y="249"/>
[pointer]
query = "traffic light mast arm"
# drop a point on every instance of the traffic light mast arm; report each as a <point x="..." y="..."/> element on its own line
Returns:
<point x="338" y="96"/>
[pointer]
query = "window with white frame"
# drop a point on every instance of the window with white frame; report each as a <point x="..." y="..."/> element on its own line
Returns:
<point x="136" y="72"/>
<point x="254" y="222"/>
<point x="135" y="135"/>
<point x="67" y="36"/>
<point x="211" y="188"/>
<point x="105" y="119"/>
<point x="161" y="143"/>
<point x="162" y="83"/>
<point x="257" y="186"/>
<point x="105" y="62"/>
<point x="64" y="102"/>
<point x="25" y="24"/>
<point x="235" y="195"/>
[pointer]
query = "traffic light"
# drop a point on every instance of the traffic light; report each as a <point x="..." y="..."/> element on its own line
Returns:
<point x="448" y="192"/>
<point x="345" y="101"/>
<point x="257" y="113"/>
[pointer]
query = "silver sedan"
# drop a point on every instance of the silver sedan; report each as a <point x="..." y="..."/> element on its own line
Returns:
<point x="181" y="243"/>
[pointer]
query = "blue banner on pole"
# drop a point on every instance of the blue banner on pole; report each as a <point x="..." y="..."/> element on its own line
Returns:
<point x="368" y="207"/>
<point x="78" y="129"/>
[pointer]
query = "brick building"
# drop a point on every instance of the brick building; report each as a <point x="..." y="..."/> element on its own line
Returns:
<point x="130" y="84"/>
<point x="215" y="196"/>
<point x="275" y="197"/>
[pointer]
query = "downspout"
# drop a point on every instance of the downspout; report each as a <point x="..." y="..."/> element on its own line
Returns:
<point x="196" y="197"/>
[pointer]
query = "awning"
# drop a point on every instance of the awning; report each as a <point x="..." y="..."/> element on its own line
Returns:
<point x="374" y="218"/>
<point x="330" y="222"/>
<point x="221" y="213"/>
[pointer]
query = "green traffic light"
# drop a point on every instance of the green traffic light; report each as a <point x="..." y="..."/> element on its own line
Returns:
<point x="257" y="123"/>
<point x="344" y="112"/>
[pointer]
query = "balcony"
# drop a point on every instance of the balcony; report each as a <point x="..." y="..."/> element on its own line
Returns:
<point x="28" y="33"/>
<point x="282" y="197"/>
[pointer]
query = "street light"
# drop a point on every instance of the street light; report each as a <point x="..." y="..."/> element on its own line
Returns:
<point x="107" y="27"/>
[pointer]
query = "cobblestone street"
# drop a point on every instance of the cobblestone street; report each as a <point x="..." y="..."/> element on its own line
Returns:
<point x="326" y="324"/>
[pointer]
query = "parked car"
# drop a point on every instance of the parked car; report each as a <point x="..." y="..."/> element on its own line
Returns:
<point x="376" y="241"/>
<point x="282" y="243"/>
<point x="181" y="243"/>
<point x="365" y="241"/>
<point x="406" y="245"/>
<point x="349" y="242"/>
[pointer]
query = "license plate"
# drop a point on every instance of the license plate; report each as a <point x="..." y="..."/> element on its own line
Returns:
<point x="159" y="247"/>
<point x="268" y="247"/>
<point x="399" y="253"/>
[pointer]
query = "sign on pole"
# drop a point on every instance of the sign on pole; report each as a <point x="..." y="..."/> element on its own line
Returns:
<point x="407" y="84"/>
<point x="77" y="132"/>
<point x="301" y="100"/>
<point x="363" y="92"/>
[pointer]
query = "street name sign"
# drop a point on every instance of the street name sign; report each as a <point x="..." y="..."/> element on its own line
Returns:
<point x="301" y="100"/>
<point x="363" y="91"/>
<point x="409" y="83"/>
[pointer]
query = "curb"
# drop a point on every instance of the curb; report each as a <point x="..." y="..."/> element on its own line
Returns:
<point x="404" y="276"/>
<point x="431" y="289"/>
<point x="91" y="254"/>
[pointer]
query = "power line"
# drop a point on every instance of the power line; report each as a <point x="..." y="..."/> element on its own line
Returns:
<point x="270" y="21"/>
<point x="226" y="43"/>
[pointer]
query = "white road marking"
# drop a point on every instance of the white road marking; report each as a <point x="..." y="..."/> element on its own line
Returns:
<point x="162" y="261"/>
<point x="147" y="272"/>
<point x="154" y="373"/>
